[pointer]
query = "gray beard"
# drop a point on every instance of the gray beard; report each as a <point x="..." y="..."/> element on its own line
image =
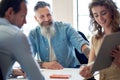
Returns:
<point x="48" y="32"/>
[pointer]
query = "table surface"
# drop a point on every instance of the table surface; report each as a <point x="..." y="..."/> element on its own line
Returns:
<point x="74" y="72"/>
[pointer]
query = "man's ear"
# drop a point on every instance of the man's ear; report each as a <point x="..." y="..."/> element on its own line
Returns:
<point x="36" y="19"/>
<point x="9" y="13"/>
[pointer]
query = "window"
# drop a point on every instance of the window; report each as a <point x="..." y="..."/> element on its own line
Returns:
<point x="83" y="17"/>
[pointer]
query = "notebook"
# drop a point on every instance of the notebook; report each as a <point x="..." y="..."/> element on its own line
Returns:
<point x="103" y="59"/>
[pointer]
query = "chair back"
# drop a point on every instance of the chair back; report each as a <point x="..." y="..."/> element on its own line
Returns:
<point x="80" y="56"/>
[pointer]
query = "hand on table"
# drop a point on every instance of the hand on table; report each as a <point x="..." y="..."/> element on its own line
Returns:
<point x="85" y="71"/>
<point x="18" y="72"/>
<point x="52" y="65"/>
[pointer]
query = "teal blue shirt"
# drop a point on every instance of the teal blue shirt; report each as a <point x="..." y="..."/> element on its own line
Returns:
<point x="63" y="42"/>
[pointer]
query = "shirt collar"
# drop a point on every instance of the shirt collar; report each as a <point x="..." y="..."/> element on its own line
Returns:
<point x="4" y="21"/>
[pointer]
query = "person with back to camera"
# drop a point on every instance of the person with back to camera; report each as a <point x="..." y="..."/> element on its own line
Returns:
<point x="105" y="19"/>
<point x="13" y="43"/>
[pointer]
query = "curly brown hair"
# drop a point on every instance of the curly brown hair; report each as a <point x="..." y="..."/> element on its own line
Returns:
<point x="115" y="15"/>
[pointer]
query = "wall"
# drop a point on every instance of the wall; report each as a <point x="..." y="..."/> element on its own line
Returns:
<point x="63" y="11"/>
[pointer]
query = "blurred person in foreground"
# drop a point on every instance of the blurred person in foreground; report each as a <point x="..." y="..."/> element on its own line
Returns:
<point x="13" y="43"/>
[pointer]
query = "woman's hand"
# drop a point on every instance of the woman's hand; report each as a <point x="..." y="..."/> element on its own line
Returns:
<point x="85" y="71"/>
<point x="116" y="55"/>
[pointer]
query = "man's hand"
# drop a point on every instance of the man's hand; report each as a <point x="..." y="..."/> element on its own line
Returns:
<point x="52" y="65"/>
<point x="18" y="72"/>
<point x="86" y="50"/>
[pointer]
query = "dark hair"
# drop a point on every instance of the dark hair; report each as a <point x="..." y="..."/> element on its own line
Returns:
<point x="41" y="4"/>
<point x="5" y="4"/>
<point x="111" y="6"/>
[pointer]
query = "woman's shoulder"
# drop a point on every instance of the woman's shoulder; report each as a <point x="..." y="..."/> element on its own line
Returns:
<point x="95" y="40"/>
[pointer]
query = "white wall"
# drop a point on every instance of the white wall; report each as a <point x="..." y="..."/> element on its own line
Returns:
<point x="63" y="11"/>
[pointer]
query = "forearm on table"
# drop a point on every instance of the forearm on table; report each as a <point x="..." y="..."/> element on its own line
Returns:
<point x="42" y="64"/>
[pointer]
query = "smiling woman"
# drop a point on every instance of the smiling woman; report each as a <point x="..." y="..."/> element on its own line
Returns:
<point x="105" y="20"/>
<point x="83" y="16"/>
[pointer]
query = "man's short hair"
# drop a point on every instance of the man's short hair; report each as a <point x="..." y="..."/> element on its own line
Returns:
<point x="5" y="4"/>
<point x="41" y="4"/>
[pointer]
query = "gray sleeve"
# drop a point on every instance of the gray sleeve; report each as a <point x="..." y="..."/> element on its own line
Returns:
<point x="22" y="53"/>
